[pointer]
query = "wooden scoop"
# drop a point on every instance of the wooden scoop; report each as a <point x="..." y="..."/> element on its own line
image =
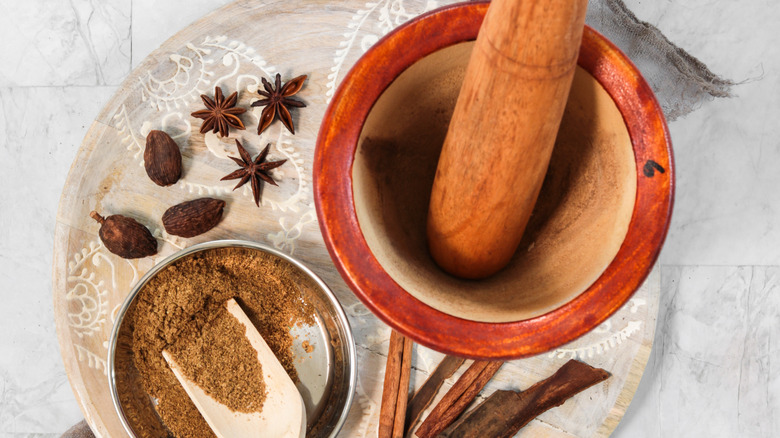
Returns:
<point x="501" y="134"/>
<point x="283" y="414"/>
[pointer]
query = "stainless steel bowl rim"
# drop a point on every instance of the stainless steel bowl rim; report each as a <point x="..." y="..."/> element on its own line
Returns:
<point x="342" y="317"/>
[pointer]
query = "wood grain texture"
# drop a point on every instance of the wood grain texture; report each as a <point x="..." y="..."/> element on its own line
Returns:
<point x="572" y="378"/>
<point x="518" y="409"/>
<point x="399" y="419"/>
<point x="449" y="408"/>
<point x="391" y="388"/>
<point x="427" y="392"/>
<point x="497" y="408"/>
<point x="502" y="133"/>
<point x="309" y="37"/>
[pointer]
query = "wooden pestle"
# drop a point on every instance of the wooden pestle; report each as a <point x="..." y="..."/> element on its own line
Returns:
<point x="502" y="132"/>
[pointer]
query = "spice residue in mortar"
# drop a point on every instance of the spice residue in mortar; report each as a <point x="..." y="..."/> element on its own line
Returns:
<point x="183" y="298"/>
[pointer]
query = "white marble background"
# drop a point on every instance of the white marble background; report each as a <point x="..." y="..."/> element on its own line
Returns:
<point x="711" y="371"/>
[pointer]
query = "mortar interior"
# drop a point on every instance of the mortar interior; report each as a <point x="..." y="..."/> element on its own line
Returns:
<point x="579" y="222"/>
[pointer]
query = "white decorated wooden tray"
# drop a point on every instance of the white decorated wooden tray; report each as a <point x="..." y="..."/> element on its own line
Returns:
<point x="234" y="47"/>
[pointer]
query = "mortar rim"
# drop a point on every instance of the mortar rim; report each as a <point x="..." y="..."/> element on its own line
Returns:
<point x="334" y="200"/>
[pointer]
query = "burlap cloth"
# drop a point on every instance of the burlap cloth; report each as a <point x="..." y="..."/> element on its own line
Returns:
<point x="680" y="81"/>
<point x="80" y="430"/>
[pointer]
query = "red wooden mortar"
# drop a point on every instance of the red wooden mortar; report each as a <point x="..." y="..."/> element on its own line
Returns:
<point x="596" y="232"/>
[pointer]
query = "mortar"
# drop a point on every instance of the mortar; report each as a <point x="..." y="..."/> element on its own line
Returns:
<point x="596" y="230"/>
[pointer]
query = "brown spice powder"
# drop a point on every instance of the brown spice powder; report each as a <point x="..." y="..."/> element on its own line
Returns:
<point x="221" y="360"/>
<point x="180" y="300"/>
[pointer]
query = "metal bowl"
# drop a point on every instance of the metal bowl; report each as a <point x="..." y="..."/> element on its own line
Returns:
<point x="327" y="374"/>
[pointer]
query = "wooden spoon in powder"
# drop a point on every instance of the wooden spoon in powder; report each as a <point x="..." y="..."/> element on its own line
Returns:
<point x="283" y="413"/>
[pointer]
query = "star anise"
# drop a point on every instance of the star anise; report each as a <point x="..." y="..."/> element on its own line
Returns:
<point x="220" y="113"/>
<point x="253" y="170"/>
<point x="276" y="101"/>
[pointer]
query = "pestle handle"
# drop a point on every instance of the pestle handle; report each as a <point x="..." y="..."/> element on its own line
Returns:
<point x="502" y="132"/>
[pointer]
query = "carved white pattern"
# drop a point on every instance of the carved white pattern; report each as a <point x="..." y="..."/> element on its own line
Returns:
<point x="606" y="344"/>
<point x="236" y="51"/>
<point x="294" y="202"/>
<point x="122" y="124"/>
<point x="217" y="147"/>
<point x="92" y="304"/>
<point x="389" y="15"/>
<point x="88" y="299"/>
<point x="635" y="303"/>
<point x="285" y="239"/>
<point x="88" y="294"/>
<point x="159" y="233"/>
<point x="115" y="312"/>
<point x="203" y="189"/>
<point x="188" y="72"/>
<point x="93" y="360"/>
<point x="192" y="72"/>
<point x="135" y="275"/>
<point x="368" y="408"/>
<point x="164" y="92"/>
<point x="600" y="347"/>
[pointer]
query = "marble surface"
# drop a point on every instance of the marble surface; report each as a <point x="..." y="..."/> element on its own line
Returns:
<point x="710" y="373"/>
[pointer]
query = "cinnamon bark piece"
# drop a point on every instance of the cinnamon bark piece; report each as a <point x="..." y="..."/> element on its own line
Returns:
<point x="391" y="385"/>
<point x="423" y="398"/>
<point x="489" y="417"/>
<point x="504" y="413"/>
<point x="458" y="398"/>
<point x="403" y="390"/>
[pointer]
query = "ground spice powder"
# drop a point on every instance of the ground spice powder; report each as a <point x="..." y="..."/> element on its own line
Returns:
<point x="221" y="360"/>
<point x="185" y="297"/>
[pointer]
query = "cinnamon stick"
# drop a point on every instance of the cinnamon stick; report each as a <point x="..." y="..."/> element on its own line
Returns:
<point x="403" y="390"/>
<point x="458" y="398"/>
<point x="391" y="385"/>
<point x="427" y="392"/>
<point x="489" y="417"/>
<point x="503" y="415"/>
